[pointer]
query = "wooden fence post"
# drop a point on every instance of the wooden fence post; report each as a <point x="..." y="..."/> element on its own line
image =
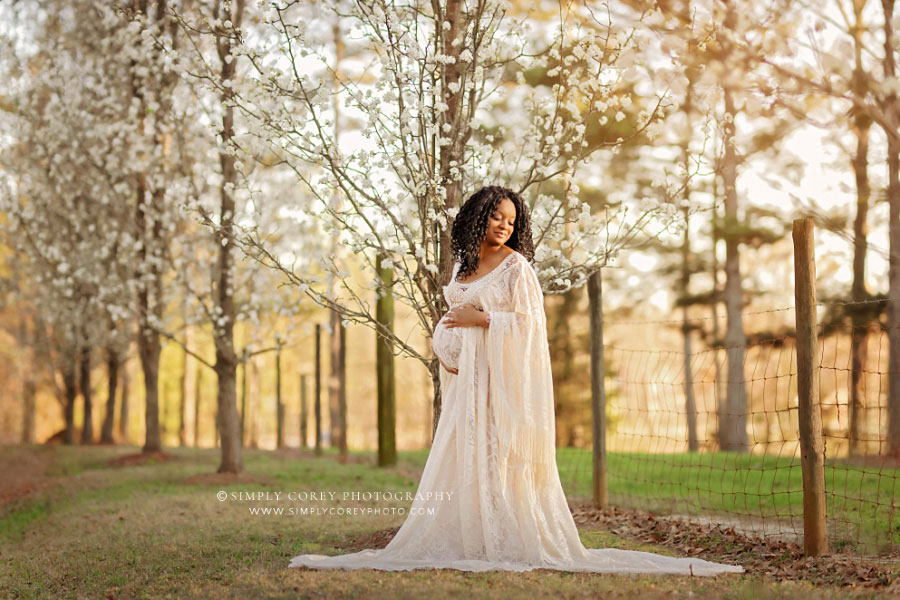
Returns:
<point x="812" y="447"/>
<point x="598" y="391"/>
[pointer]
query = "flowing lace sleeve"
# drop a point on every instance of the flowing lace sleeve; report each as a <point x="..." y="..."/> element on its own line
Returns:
<point x="521" y="386"/>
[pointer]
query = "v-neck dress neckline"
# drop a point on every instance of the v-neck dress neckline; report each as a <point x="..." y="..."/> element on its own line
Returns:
<point x="486" y="275"/>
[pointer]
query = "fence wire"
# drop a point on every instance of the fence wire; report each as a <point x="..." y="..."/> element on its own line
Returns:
<point x="655" y="463"/>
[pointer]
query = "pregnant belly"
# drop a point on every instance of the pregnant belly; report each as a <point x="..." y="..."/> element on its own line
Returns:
<point x="447" y="343"/>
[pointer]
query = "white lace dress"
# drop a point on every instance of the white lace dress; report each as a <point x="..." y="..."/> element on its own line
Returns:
<point x="490" y="497"/>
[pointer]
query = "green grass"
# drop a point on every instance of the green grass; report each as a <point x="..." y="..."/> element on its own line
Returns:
<point x="860" y="501"/>
<point x="148" y="531"/>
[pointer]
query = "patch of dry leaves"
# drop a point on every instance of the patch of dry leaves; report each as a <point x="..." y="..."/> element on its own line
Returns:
<point x="777" y="559"/>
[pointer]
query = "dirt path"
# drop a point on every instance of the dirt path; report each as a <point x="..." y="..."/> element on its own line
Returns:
<point x="24" y="472"/>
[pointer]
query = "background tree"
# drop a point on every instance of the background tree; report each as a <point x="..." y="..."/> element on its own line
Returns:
<point x="435" y="70"/>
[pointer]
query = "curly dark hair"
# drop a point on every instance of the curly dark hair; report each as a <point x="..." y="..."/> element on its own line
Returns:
<point x="470" y="226"/>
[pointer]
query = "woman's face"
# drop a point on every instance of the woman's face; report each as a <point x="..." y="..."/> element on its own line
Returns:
<point x="501" y="223"/>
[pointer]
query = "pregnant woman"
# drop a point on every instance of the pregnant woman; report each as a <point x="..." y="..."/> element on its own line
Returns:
<point x="490" y="497"/>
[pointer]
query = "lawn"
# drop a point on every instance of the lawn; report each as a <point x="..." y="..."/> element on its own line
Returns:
<point x="861" y="501"/>
<point x="75" y="525"/>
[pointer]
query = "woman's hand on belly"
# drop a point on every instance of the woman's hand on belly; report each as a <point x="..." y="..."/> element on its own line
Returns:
<point x="465" y="315"/>
<point x="454" y="371"/>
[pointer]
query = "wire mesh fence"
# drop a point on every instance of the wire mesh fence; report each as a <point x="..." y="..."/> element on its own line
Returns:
<point x="665" y="457"/>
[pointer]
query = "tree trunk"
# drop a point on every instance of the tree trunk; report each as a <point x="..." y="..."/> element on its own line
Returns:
<point x="714" y="308"/>
<point x="342" y="397"/>
<point x="71" y="391"/>
<point x="690" y="404"/>
<point x="279" y="404"/>
<point x="733" y="431"/>
<point x="149" y="348"/>
<point x="860" y="317"/>
<point x="148" y="276"/>
<point x="893" y="198"/>
<point x="147" y="339"/>
<point x="243" y="399"/>
<point x="318" y="398"/>
<point x="384" y="367"/>
<point x="165" y="408"/>
<point x="87" y="430"/>
<point x="253" y="404"/>
<point x="449" y="156"/>
<point x="123" y="407"/>
<point x="29" y="391"/>
<point x="198" y="394"/>
<point x="226" y="360"/>
<point x="26" y="364"/>
<point x="218" y="420"/>
<point x="304" y="416"/>
<point x="565" y="376"/>
<point x="112" y="383"/>
<point x="861" y="125"/>
<point x="434" y="368"/>
<point x="182" y="394"/>
<point x="336" y="391"/>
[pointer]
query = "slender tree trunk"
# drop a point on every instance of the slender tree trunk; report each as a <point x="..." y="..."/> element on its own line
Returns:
<point x="568" y="417"/>
<point x="860" y="317"/>
<point x="893" y="197"/>
<point x="384" y="367"/>
<point x="218" y="443"/>
<point x="147" y="338"/>
<point x="449" y="157"/>
<point x="279" y="404"/>
<point x="690" y="404"/>
<point x="859" y="293"/>
<point x="165" y="406"/>
<point x="337" y="399"/>
<point x="342" y="396"/>
<point x="123" y="407"/>
<point x="29" y="392"/>
<point x="253" y="405"/>
<point x="226" y="360"/>
<point x="198" y="394"/>
<point x="29" y="387"/>
<point x="71" y="392"/>
<point x="87" y="430"/>
<point x="112" y="384"/>
<point x="243" y="399"/>
<point x="304" y="416"/>
<point x="336" y="392"/>
<point x="149" y="348"/>
<point x="318" y="399"/>
<point x="714" y="305"/>
<point x="149" y="203"/>
<point x="434" y="369"/>
<point x="733" y="432"/>
<point x="182" y="394"/>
